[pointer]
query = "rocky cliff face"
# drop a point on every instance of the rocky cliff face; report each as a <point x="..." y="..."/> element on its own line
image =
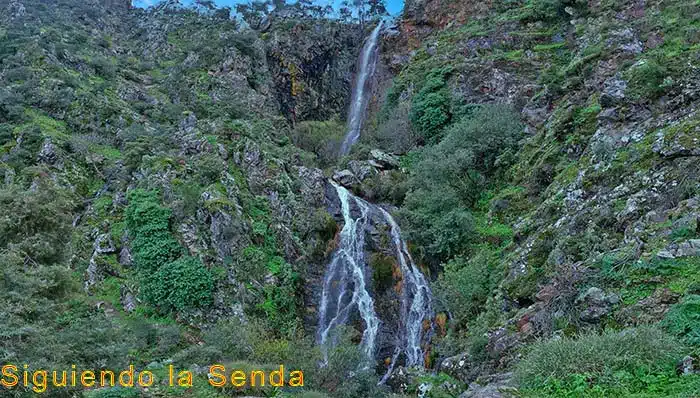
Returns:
<point x="606" y="175"/>
<point x="312" y="65"/>
<point x="156" y="138"/>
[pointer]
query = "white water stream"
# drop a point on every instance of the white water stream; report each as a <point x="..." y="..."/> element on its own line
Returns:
<point x="359" y="99"/>
<point x="346" y="284"/>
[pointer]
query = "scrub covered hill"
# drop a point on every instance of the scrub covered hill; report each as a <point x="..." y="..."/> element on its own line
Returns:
<point x="163" y="198"/>
<point x="551" y="186"/>
<point x="153" y="204"/>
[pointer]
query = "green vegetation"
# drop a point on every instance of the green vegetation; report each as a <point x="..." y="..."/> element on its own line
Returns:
<point x="157" y="206"/>
<point x="149" y="226"/>
<point x="431" y="106"/>
<point x="683" y="320"/>
<point x="452" y="175"/>
<point x="632" y="362"/>
<point x="179" y="285"/>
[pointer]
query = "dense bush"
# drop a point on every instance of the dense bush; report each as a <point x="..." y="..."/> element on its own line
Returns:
<point x="437" y="221"/>
<point x="396" y="134"/>
<point x="321" y="138"/>
<point x="631" y="360"/>
<point x="450" y="177"/>
<point x="430" y="111"/>
<point x="646" y="80"/>
<point x="170" y="282"/>
<point x="149" y="228"/>
<point x="683" y="320"/>
<point x="465" y="285"/>
<point x="36" y="222"/>
<point x="179" y="285"/>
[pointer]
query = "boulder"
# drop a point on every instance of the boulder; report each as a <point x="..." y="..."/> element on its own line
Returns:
<point x="312" y="182"/>
<point x="689" y="365"/>
<point x="461" y="367"/>
<point x="345" y="178"/>
<point x="595" y="304"/>
<point x="363" y="170"/>
<point x="48" y="154"/>
<point x="127" y="299"/>
<point x="613" y="91"/>
<point x="492" y="386"/>
<point x="689" y="248"/>
<point x="125" y="257"/>
<point x="384" y="160"/>
<point x="648" y="310"/>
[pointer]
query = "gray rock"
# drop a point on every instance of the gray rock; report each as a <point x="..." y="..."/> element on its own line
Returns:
<point x="384" y="159"/>
<point x="223" y="153"/>
<point x="688" y="366"/>
<point x="613" y="91"/>
<point x="17" y="9"/>
<point x="492" y="386"/>
<point x="674" y="142"/>
<point x="94" y="273"/>
<point x="596" y="304"/>
<point x="125" y="257"/>
<point x="609" y="115"/>
<point x="461" y="367"/>
<point x="345" y="178"/>
<point x="127" y="299"/>
<point x="312" y="185"/>
<point x="688" y="248"/>
<point x="189" y="123"/>
<point x="9" y="176"/>
<point x="362" y="170"/>
<point x="626" y="41"/>
<point x="48" y="154"/>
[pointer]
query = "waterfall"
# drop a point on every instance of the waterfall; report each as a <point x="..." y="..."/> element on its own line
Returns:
<point x="358" y="104"/>
<point x="345" y="285"/>
<point x="417" y="297"/>
<point x="346" y="288"/>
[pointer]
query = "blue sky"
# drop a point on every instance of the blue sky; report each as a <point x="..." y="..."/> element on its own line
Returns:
<point x="394" y="6"/>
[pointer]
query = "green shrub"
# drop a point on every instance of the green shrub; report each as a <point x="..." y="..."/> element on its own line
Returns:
<point x="646" y="80"/>
<point x="36" y="223"/>
<point x="464" y="287"/>
<point x="182" y="284"/>
<point x="430" y="111"/>
<point x="450" y="177"/>
<point x="233" y="338"/>
<point x="321" y="138"/>
<point x="438" y="221"/>
<point x="683" y="320"/>
<point x="619" y="359"/>
<point x="382" y="271"/>
<point x="281" y="302"/>
<point x="149" y="227"/>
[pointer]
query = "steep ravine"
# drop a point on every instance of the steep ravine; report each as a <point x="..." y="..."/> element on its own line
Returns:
<point x="349" y="288"/>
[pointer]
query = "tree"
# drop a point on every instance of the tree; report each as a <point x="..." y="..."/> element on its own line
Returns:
<point x="279" y="4"/>
<point x="205" y="4"/>
<point x="363" y="10"/>
<point x="452" y="175"/>
<point x="377" y="8"/>
<point x="345" y="13"/>
<point x="254" y="12"/>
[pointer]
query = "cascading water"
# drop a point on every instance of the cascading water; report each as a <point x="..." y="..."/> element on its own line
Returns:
<point x="344" y="286"/>
<point x="416" y="297"/>
<point x="358" y="104"/>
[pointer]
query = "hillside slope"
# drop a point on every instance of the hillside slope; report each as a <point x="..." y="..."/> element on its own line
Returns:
<point x="584" y="222"/>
